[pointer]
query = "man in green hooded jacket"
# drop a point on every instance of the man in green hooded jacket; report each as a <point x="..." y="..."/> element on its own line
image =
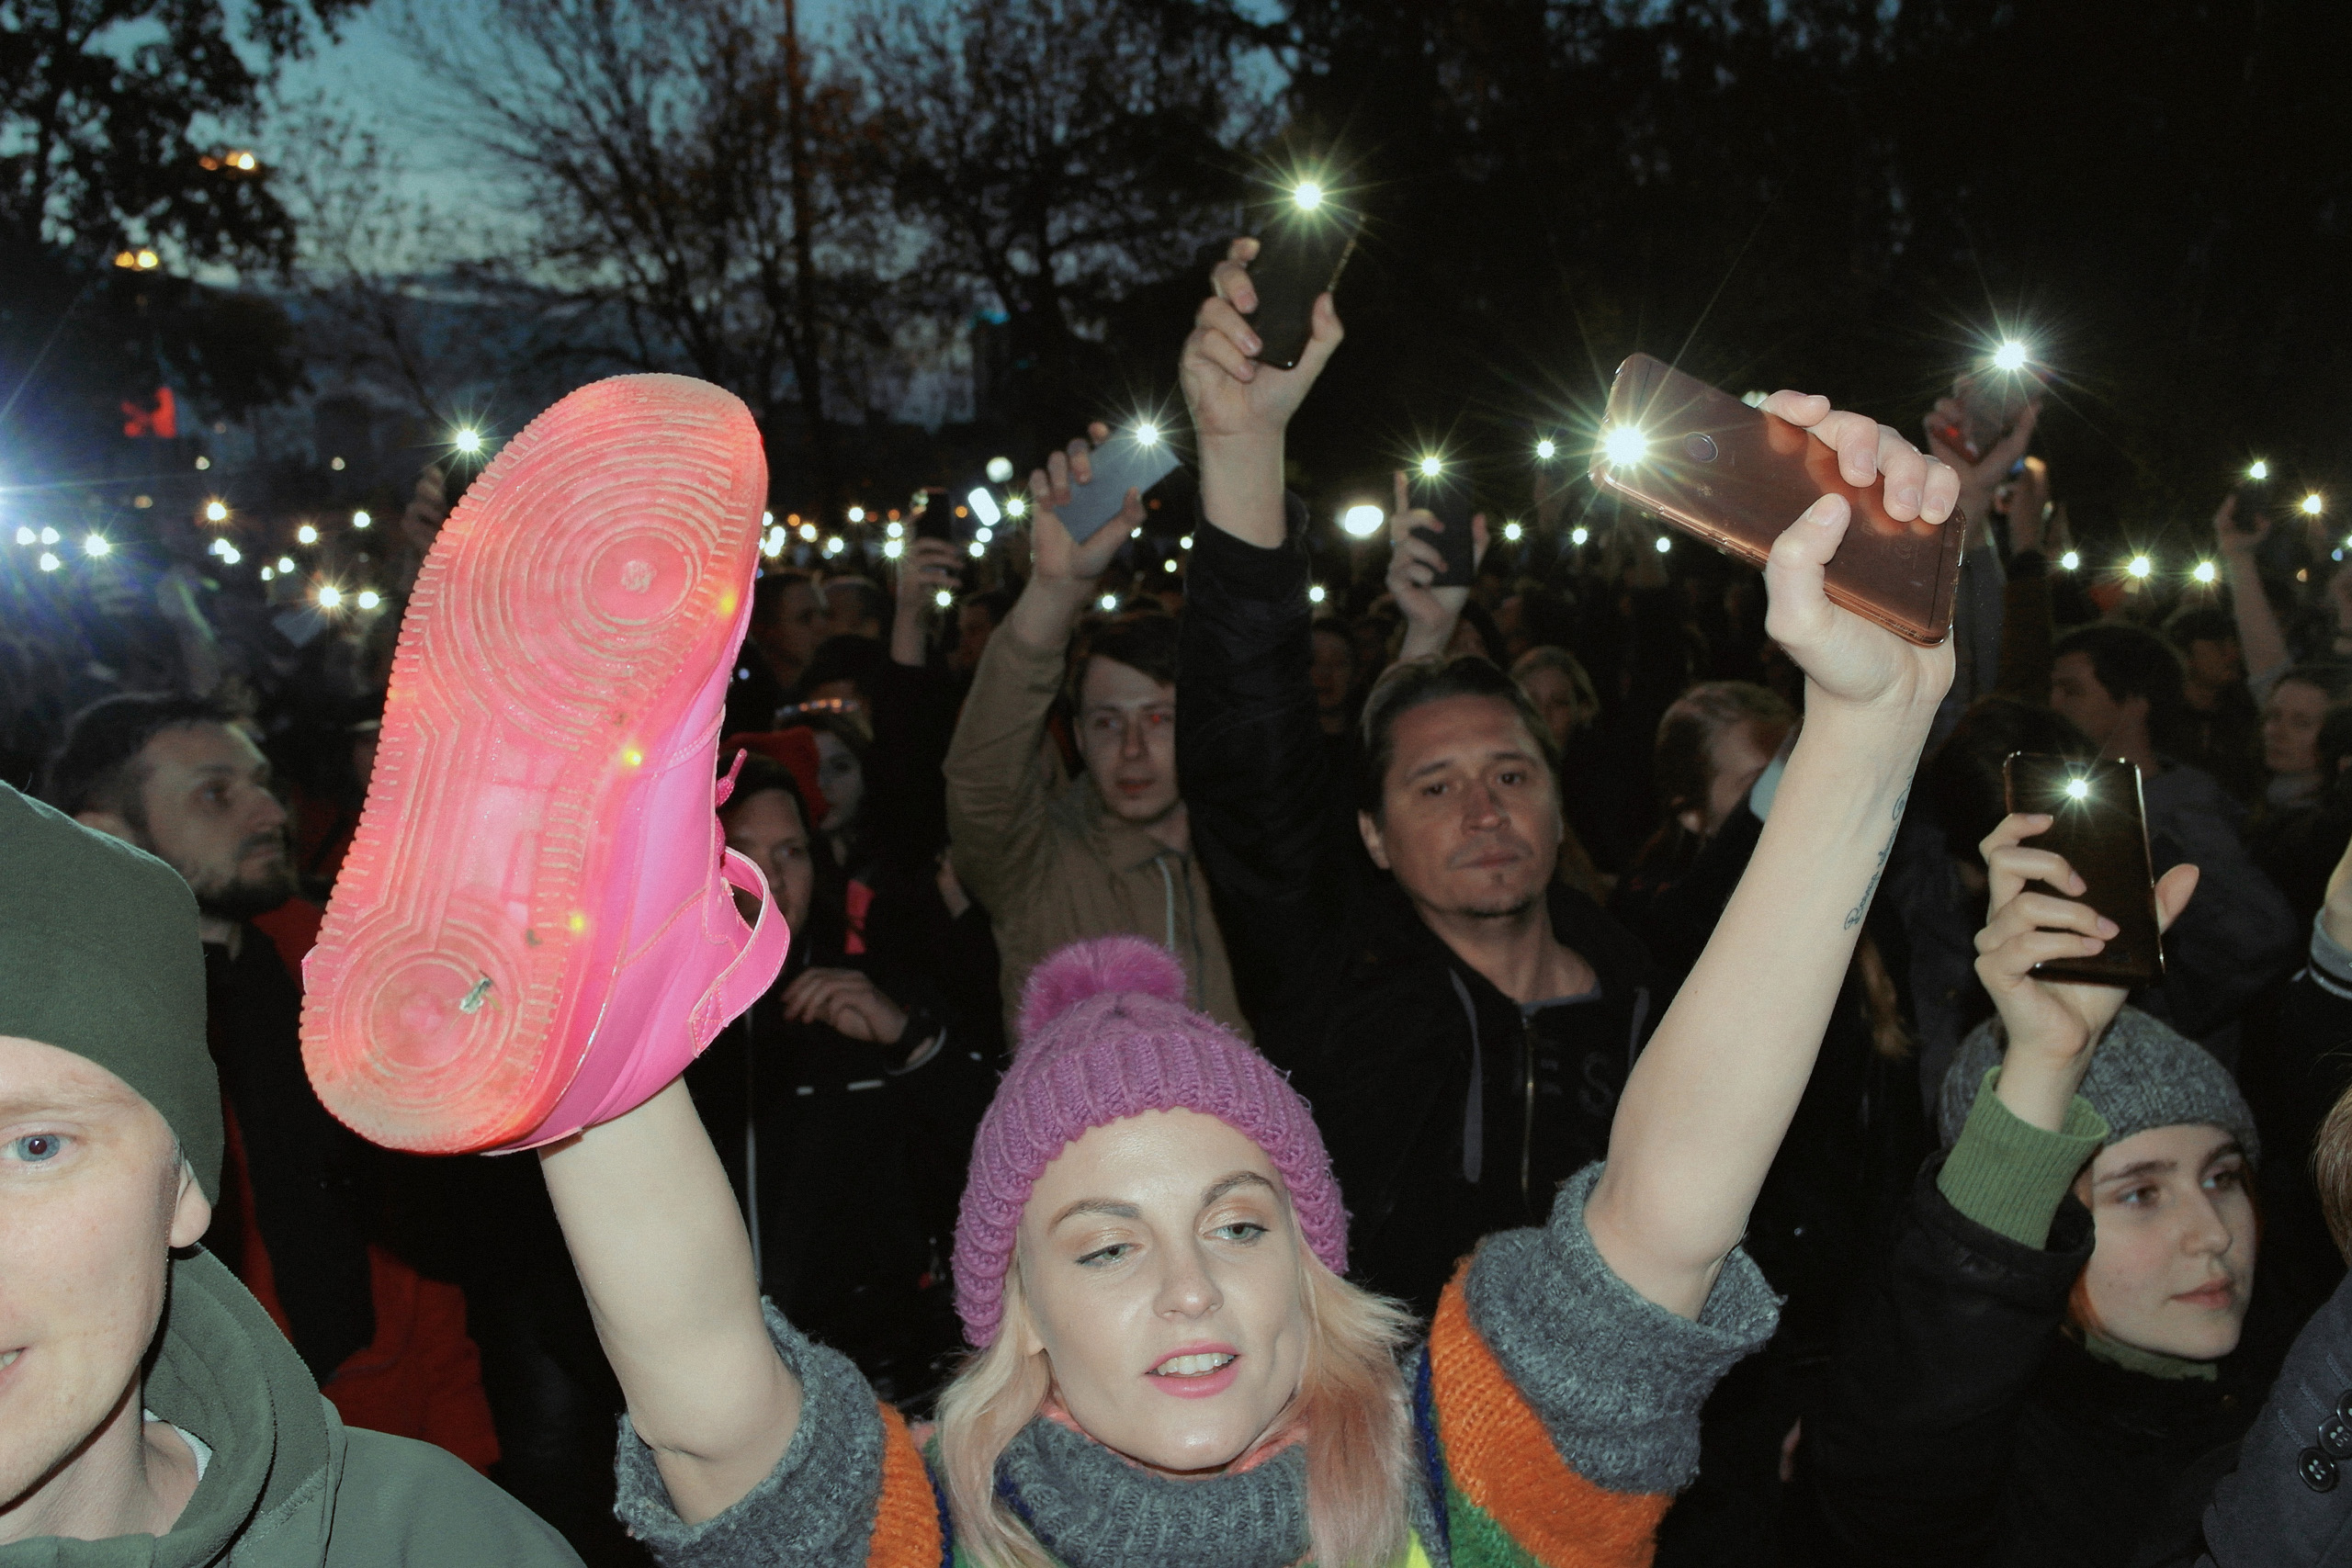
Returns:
<point x="151" y="1414"/>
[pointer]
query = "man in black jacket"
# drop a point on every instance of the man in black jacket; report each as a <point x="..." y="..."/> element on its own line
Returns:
<point x="1460" y="1023"/>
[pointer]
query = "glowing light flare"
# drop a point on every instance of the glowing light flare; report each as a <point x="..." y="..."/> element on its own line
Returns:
<point x="306" y="534"/>
<point x="984" y="507"/>
<point x="1432" y="467"/>
<point x="1361" y="521"/>
<point x="24" y="535"/>
<point x="49" y="562"/>
<point x="1147" y="435"/>
<point x="833" y="545"/>
<point x="1578" y="536"/>
<point x="330" y="596"/>
<point x="2205" y="572"/>
<point x="1109" y="602"/>
<point x="1171" y="565"/>
<point x="942" y="598"/>
<point x="978" y="549"/>
<point x="892" y="549"/>
<point x="632" y="758"/>
<point x="95" y="545"/>
<point x="2010" y="356"/>
<point x="2258" y="470"/>
<point x="1315" y="594"/>
<point x="895" y="531"/>
<point x="1017" y="506"/>
<point x="361" y="519"/>
<point x="1185" y="543"/>
<point x="216" y="512"/>
<point x="370" y="599"/>
<point x="285" y="564"/>
<point x="857" y="514"/>
<point x="2314" y="505"/>
<point x="2140" y="566"/>
<point x="985" y="535"/>
<point x="48" y="536"/>
<point x="1546" y="449"/>
<point x="1307" y="196"/>
<point x="467" y="440"/>
<point x="1664" y="543"/>
<point x="1512" y="531"/>
<point x="2069" y="561"/>
<point x="230" y="554"/>
<point x="269" y="573"/>
<point x="1000" y="469"/>
<point x="2078" y="789"/>
<point x="809" y="532"/>
<point x="1623" y="444"/>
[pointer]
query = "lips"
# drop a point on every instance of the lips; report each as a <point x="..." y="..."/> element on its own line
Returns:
<point x="1196" y="1371"/>
<point x="2220" y="1294"/>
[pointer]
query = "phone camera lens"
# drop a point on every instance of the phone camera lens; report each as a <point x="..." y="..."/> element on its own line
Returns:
<point x="1698" y="447"/>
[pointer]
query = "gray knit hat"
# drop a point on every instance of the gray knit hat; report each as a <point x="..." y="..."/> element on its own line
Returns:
<point x="99" y="955"/>
<point x="2143" y="1074"/>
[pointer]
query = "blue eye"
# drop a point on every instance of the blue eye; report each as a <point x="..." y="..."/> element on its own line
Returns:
<point x="1240" y="1231"/>
<point x="37" y="1149"/>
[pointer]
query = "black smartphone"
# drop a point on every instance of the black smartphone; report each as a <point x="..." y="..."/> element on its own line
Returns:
<point x="937" y="519"/>
<point x="1447" y="497"/>
<point x="1301" y="251"/>
<point x="2097" y="824"/>
<point x="1136" y="458"/>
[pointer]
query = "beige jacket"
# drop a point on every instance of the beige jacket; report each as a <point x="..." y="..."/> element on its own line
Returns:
<point x="1048" y="858"/>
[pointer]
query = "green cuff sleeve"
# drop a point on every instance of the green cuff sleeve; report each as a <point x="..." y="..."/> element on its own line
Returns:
<point x="2011" y="1176"/>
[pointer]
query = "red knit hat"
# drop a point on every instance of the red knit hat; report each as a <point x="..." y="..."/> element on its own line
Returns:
<point x="1106" y="1035"/>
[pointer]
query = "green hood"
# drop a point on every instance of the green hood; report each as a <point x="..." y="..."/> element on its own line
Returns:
<point x="288" y="1485"/>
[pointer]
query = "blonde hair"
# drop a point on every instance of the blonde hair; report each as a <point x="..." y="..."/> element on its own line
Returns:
<point x="1351" y="1406"/>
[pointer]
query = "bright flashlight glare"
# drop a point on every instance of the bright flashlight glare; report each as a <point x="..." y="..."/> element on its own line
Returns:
<point x="1109" y="602"/>
<point x="330" y="596"/>
<point x="1171" y="565"/>
<point x="857" y="514"/>
<point x="1544" y="449"/>
<point x="984" y="508"/>
<point x="942" y="598"/>
<point x="1361" y="521"/>
<point x="1000" y="469"/>
<point x="1578" y="536"/>
<point x="268" y="572"/>
<point x="2205" y="572"/>
<point x="978" y="549"/>
<point x="369" y="598"/>
<point x="2010" y="356"/>
<point x="2069" y="561"/>
<point x="1307" y="196"/>
<point x="468" y="441"/>
<point x="1432" y="467"/>
<point x="1664" y="543"/>
<point x="1625" y="445"/>
<point x="833" y="546"/>
<point x="2259" y="471"/>
<point x="2078" y="789"/>
<point x="306" y="534"/>
<point x="24" y="535"/>
<point x="2312" y="505"/>
<point x="230" y="554"/>
<point x="49" y="562"/>
<point x="1018" y="506"/>
<point x="285" y="563"/>
<point x="48" y="536"/>
<point x="360" y="520"/>
<point x="95" y="545"/>
<point x="216" y="512"/>
<point x="809" y="532"/>
<point x="1147" y="435"/>
<point x="2140" y="566"/>
<point x="1315" y="594"/>
<point x="1185" y="543"/>
<point x="899" y="530"/>
<point x="1511" y="531"/>
<point x="894" y="549"/>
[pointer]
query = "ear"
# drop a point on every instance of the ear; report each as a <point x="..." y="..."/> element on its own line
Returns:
<point x="1373" y="845"/>
<point x="192" y="1215"/>
<point x="111" y="823"/>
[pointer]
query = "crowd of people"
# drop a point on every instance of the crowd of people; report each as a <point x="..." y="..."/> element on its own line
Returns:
<point x="1645" y="930"/>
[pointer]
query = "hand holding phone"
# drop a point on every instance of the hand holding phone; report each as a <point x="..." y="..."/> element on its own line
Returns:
<point x="936" y="520"/>
<point x="1303" y="247"/>
<point x="1136" y="458"/>
<point x="2099" y="831"/>
<point x="1445" y="496"/>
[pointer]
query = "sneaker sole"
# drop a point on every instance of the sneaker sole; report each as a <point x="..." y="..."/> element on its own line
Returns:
<point x="589" y="583"/>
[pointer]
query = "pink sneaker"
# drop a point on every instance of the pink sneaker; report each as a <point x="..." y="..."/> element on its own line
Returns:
<point x="535" y="927"/>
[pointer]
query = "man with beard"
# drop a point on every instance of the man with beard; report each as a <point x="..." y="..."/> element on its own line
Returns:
<point x="304" y="1196"/>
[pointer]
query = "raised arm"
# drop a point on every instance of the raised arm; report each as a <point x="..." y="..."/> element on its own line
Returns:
<point x="2260" y="637"/>
<point x="660" y="1245"/>
<point x="1707" y="1104"/>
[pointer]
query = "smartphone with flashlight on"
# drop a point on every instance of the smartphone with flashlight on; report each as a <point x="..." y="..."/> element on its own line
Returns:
<point x="1446" y="496"/>
<point x="937" y="519"/>
<point x="1303" y="245"/>
<point x="2097" y="824"/>
<point x="1736" y="476"/>
<point x="1989" y="405"/>
<point x="1136" y="458"/>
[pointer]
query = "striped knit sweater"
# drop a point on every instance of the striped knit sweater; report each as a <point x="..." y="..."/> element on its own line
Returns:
<point x="1556" y="1410"/>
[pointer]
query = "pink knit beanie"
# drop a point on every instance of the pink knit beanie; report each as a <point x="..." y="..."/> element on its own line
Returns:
<point x="1106" y="1035"/>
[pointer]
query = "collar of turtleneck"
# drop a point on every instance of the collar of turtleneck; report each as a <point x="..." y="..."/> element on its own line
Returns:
<point x="1092" y="1509"/>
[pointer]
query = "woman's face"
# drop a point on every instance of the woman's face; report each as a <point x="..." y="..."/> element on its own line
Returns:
<point x="766" y="829"/>
<point x="2290" y="721"/>
<point x="2173" y="1269"/>
<point x="841" y="778"/>
<point x="1555" y="697"/>
<point x="1166" y="1287"/>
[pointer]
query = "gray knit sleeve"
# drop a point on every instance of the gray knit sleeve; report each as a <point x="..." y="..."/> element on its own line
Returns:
<point x="815" y="1509"/>
<point x="1617" y="1378"/>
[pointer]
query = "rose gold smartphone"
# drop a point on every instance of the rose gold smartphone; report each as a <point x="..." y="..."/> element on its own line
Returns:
<point x="2097" y="824"/>
<point x="1737" y="476"/>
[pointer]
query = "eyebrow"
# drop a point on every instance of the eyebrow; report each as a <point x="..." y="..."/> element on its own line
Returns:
<point x="1220" y="1188"/>
<point x="1507" y="754"/>
<point x="58" y="1101"/>
<point x="2141" y="1167"/>
<point x="1227" y="1184"/>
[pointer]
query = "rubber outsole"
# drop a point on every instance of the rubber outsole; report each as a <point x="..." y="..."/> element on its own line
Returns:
<point x="583" y="592"/>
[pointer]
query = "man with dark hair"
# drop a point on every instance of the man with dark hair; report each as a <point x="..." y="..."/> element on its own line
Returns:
<point x="174" y="776"/>
<point x="150" y="1412"/>
<point x="1054" y="860"/>
<point x="2121" y="686"/>
<point x="2224" y="730"/>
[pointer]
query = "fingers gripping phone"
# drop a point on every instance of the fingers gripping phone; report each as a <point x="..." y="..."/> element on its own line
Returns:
<point x="1136" y="458"/>
<point x="1300" y="255"/>
<point x="1447" y="497"/>
<point x="1737" y="476"/>
<point x="2097" y="824"/>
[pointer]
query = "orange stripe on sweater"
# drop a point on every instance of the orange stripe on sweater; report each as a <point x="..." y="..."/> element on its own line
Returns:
<point x="1501" y="1457"/>
<point x="906" y="1522"/>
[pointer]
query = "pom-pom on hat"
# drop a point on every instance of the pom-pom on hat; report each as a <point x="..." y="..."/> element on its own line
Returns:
<point x="1106" y="1035"/>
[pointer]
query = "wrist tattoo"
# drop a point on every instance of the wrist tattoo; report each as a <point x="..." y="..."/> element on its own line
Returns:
<point x="1861" y="905"/>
